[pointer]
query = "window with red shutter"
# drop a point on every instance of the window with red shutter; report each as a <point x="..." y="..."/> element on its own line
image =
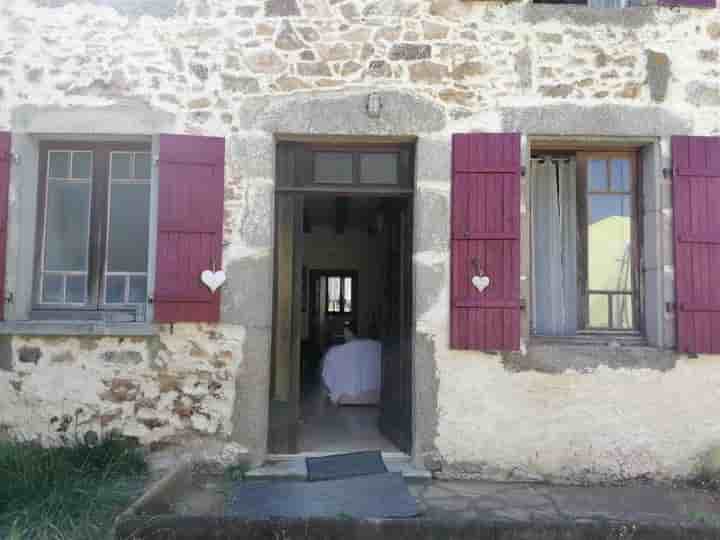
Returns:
<point x="190" y="227"/>
<point x="485" y="241"/>
<point x="5" y="160"/>
<point x="696" y="199"/>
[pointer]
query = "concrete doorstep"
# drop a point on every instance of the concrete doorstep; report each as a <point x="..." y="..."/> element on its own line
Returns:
<point x="187" y="505"/>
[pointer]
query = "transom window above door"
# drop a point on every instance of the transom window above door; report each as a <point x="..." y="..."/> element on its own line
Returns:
<point x="355" y="167"/>
<point x="585" y="243"/>
<point x="94" y="227"/>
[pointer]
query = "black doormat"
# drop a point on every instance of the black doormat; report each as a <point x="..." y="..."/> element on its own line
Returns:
<point x="374" y="496"/>
<point x="345" y="465"/>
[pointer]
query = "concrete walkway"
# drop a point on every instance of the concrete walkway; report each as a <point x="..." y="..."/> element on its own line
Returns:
<point x="458" y="510"/>
<point x="465" y="501"/>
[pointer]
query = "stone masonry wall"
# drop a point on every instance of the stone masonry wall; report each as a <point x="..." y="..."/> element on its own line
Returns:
<point x="248" y="69"/>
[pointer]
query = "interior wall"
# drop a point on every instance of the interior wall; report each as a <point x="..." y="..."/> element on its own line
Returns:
<point x="356" y="250"/>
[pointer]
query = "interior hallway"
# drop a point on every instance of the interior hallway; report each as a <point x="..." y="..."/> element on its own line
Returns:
<point x="327" y="428"/>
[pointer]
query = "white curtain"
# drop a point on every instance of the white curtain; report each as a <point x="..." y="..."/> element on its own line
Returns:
<point x="554" y="246"/>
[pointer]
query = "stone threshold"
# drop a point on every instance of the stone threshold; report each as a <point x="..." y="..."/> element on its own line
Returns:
<point x="292" y="467"/>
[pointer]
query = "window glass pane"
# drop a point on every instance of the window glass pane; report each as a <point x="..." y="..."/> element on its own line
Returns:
<point x="333" y="167"/>
<point x="609" y="242"/>
<point x="143" y="166"/>
<point x="334" y="294"/>
<point x="597" y="175"/>
<point x="138" y="290"/>
<point x="81" y="165"/>
<point x="622" y="311"/>
<point x="598" y="312"/>
<point x="120" y="165"/>
<point x="379" y="168"/>
<point x="52" y="288"/>
<point x="76" y="289"/>
<point x="129" y="222"/>
<point x="348" y="295"/>
<point x="59" y="164"/>
<point x="67" y="227"/>
<point x="115" y="290"/>
<point x="620" y="169"/>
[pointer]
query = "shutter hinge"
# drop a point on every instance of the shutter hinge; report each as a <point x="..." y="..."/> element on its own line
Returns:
<point x="670" y="307"/>
<point x="156" y="160"/>
<point x="150" y="300"/>
<point x="12" y="157"/>
<point x="523" y="171"/>
<point x="10" y="299"/>
<point x="523" y="304"/>
<point x="667" y="173"/>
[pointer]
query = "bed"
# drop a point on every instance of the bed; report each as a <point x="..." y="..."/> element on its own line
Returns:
<point x="352" y="372"/>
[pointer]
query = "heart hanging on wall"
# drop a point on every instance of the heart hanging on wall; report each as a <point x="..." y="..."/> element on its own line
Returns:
<point x="213" y="280"/>
<point x="480" y="282"/>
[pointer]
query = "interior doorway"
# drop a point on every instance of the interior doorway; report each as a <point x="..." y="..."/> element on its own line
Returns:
<point x="342" y="356"/>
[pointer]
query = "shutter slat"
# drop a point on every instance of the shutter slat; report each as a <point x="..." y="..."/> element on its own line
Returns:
<point x="486" y="236"/>
<point x="190" y="227"/>
<point x="696" y="194"/>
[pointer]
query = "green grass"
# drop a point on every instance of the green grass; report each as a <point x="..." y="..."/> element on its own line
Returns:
<point x="71" y="492"/>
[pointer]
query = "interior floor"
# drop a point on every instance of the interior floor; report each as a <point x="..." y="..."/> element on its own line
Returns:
<point x="329" y="428"/>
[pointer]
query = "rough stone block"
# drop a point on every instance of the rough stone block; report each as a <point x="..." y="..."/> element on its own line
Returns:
<point x="29" y="355"/>
<point x="343" y="113"/>
<point x="123" y="357"/>
<point x="658" y="73"/>
<point x="410" y="51"/>
<point x="281" y="8"/>
<point x="133" y="8"/>
<point x="703" y="94"/>
<point x="606" y="120"/>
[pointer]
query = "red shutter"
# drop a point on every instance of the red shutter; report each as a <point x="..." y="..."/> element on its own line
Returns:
<point x="688" y="3"/>
<point x="696" y="200"/>
<point x="486" y="237"/>
<point x="190" y="227"/>
<point x="5" y="160"/>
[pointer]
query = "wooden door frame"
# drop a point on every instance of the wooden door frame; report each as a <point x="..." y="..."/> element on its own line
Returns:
<point x="284" y="188"/>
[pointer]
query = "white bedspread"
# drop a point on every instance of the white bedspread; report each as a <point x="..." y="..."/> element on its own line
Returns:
<point x="352" y="371"/>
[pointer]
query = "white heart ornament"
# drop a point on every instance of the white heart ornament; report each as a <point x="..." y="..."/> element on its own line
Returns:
<point x="480" y="282"/>
<point x="213" y="280"/>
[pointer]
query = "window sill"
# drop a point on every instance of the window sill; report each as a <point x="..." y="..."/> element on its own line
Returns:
<point x="76" y="328"/>
<point x="585" y="353"/>
<point x="593" y="339"/>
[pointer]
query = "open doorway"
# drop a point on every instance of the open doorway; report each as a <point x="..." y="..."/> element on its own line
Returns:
<point x="342" y="359"/>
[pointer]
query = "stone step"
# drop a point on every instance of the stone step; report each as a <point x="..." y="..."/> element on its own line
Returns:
<point x="292" y="467"/>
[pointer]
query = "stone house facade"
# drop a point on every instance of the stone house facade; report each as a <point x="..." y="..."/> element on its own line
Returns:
<point x="251" y="73"/>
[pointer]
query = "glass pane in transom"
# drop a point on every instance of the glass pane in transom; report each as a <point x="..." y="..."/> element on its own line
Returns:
<point x="379" y="168"/>
<point x="58" y="164"/>
<point x="121" y="165"/>
<point x="597" y="175"/>
<point x="82" y="165"/>
<point x="333" y="167"/>
<point x="143" y="165"/>
<point x="620" y="179"/>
